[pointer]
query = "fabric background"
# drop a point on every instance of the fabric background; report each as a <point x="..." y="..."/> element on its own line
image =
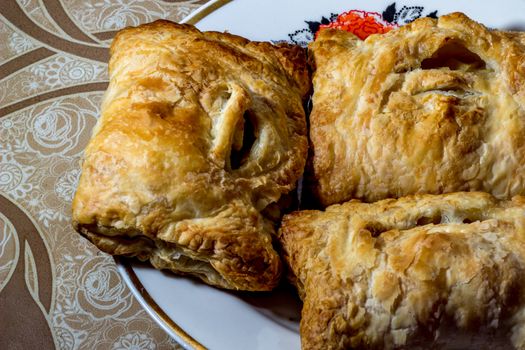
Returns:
<point x="56" y="289"/>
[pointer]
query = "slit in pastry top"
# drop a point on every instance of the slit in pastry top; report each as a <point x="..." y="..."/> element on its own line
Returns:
<point x="199" y="133"/>
<point x="435" y="106"/>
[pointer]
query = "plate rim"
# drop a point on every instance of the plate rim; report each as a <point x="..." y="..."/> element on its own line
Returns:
<point x="203" y="11"/>
<point x="152" y="308"/>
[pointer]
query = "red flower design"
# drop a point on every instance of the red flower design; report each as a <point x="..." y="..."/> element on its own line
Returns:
<point x="361" y="23"/>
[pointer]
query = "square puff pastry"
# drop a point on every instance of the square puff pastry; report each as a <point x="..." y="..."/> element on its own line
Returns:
<point x="433" y="107"/>
<point x="421" y="272"/>
<point x="200" y="135"/>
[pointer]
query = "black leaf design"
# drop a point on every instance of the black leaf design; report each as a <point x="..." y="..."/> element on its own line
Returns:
<point x="301" y="37"/>
<point x="314" y="26"/>
<point x="433" y="14"/>
<point x="390" y="12"/>
<point x="325" y="20"/>
<point x="408" y="14"/>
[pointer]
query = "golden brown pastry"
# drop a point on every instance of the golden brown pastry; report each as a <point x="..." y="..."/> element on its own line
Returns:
<point x="200" y="135"/>
<point x="433" y="107"/>
<point x="421" y="272"/>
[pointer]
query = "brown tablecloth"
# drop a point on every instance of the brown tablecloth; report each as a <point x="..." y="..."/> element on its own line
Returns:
<point x="56" y="289"/>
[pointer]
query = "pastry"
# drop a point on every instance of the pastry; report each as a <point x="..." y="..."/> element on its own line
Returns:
<point x="420" y="272"/>
<point x="435" y="106"/>
<point x="200" y="134"/>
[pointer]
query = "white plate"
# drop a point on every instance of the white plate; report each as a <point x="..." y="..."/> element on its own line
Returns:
<point x="198" y="315"/>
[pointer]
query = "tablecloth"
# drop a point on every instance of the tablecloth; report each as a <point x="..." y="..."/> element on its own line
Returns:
<point x="56" y="289"/>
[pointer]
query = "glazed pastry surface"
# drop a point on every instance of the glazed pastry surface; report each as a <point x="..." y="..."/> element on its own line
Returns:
<point x="200" y="135"/>
<point x="435" y="106"/>
<point x="421" y="272"/>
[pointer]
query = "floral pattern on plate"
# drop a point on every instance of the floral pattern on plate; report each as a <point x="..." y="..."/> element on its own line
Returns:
<point x="362" y="23"/>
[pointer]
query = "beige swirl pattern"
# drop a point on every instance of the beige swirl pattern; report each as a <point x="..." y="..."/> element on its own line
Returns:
<point x="8" y="250"/>
<point x="56" y="289"/>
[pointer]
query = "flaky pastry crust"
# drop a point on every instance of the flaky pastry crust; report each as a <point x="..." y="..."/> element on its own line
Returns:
<point x="200" y="135"/>
<point x="436" y="106"/>
<point x="421" y="272"/>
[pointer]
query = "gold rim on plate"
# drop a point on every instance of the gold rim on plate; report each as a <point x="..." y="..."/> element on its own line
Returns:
<point x="153" y="308"/>
<point x="204" y="11"/>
